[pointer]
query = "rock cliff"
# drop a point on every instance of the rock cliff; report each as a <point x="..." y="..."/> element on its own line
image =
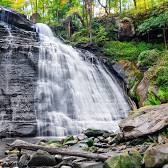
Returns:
<point x="18" y="76"/>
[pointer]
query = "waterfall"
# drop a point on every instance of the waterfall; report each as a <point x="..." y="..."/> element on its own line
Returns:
<point x="74" y="93"/>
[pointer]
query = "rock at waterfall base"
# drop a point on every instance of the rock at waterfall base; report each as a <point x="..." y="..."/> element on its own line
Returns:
<point x="42" y="158"/>
<point x="127" y="160"/>
<point x="145" y="121"/>
<point x="156" y="156"/>
<point x="94" y="133"/>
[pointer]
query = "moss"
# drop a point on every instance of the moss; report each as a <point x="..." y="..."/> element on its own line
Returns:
<point x="126" y="160"/>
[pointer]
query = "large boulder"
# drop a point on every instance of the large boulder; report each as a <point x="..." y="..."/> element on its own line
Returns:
<point x="144" y="121"/>
<point x="156" y="156"/>
<point x="126" y="29"/>
<point x="42" y="158"/>
<point x="14" y="18"/>
<point x="125" y="160"/>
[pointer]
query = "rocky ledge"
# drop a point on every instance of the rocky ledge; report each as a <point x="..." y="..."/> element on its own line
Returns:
<point x="18" y="76"/>
<point x="16" y="19"/>
<point x="142" y="142"/>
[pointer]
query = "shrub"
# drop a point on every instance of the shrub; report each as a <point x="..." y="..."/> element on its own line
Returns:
<point x="162" y="77"/>
<point x="80" y="36"/>
<point x="100" y="36"/>
<point x="148" y="58"/>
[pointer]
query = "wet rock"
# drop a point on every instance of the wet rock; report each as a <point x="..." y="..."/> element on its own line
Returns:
<point x="130" y="74"/>
<point x="24" y="159"/>
<point x="81" y="137"/>
<point x="156" y="156"/>
<point x="18" y="129"/>
<point x="88" y="164"/>
<point x="42" y="158"/>
<point x="19" y="74"/>
<point x="125" y="160"/>
<point x="144" y="121"/>
<point x="94" y="133"/>
<point x="58" y="158"/>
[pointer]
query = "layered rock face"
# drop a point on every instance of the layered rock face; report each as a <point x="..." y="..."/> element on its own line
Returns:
<point x="18" y="76"/>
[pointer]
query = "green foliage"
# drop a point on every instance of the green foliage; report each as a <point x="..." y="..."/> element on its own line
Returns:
<point x="99" y="36"/>
<point x="152" y="100"/>
<point x="80" y="36"/>
<point x="162" y="77"/>
<point x="6" y="3"/>
<point x="163" y="94"/>
<point x="148" y="58"/>
<point x="165" y="132"/>
<point x="154" y="22"/>
<point x="126" y="50"/>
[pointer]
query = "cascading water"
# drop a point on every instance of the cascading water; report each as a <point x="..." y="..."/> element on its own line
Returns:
<point x="74" y="94"/>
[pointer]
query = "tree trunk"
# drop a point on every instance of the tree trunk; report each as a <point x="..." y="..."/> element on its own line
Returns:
<point x="120" y="6"/>
<point x="36" y="6"/>
<point x="164" y="36"/>
<point x="19" y="144"/>
<point x="135" y="3"/>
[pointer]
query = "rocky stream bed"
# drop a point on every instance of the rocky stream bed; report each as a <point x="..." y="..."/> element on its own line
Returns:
<point x="141" y="142"/>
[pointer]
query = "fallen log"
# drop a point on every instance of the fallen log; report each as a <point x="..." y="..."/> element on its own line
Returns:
<point x="19" y="144"/>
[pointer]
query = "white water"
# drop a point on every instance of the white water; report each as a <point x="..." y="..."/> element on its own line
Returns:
<point x="74" y="94"/>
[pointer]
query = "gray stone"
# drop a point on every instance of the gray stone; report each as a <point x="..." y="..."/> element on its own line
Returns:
<point x="165" y="166"/>
<point x="156" y="156"/>
<point x="42" y="158"/>
<point x="18" y="80"/>
<point x="24" y="159"/>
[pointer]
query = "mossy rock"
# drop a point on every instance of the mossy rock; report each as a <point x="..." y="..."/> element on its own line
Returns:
<point x="68" y="138"/>
<point x="127" y="160"/>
